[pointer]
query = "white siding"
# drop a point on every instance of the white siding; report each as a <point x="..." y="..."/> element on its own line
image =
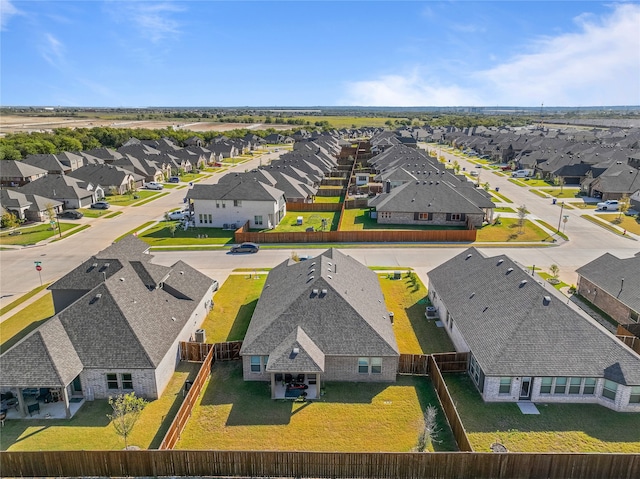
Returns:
<point x="227" y="213"/>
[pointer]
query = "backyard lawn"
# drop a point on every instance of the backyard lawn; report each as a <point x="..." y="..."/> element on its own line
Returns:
<point x="558" y="427"/>
<point x="309" y="219"/>
<point x="329" y="199"/>
<point x="159" y="235"/>
<point x="233" y="306"/>
<point x="90" y="429"/>
<point x="406" y="297"/>
<point x="235" y="415"/>
<point x="508" y="232"/>
<point x="33" y="234"/>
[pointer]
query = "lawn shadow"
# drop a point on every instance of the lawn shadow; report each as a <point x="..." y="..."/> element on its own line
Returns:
<point x="351" y="392"/>
<point x="241" y="323"/>
<point x="175" y="406"/>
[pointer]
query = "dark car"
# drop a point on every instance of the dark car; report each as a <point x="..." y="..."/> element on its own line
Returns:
<point x="245" y="248"/>
<point x="100" y="205"/>
<point x="71" y="214"/>
<point x="174" y="179"/>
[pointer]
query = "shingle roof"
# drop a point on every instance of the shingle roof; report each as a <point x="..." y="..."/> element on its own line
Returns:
<point x="14" y="169"/>
<point x="512" y="330"/>
<point x="237" y="190"/>
<point x="333" y="298"/>
<point x="296" y="353"/>
<point x="618" y="277"/>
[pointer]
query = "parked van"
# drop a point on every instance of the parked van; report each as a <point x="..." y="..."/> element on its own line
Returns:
<point x="521" y="174"/>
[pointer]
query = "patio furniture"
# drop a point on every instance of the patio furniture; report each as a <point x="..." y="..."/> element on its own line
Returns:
<point x="35" y="407"/>
<point x="300" y="378"/>
<point x="3" y="416"/>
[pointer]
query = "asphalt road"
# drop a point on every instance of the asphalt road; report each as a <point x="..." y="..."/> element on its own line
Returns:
<point x="587" y="241"/>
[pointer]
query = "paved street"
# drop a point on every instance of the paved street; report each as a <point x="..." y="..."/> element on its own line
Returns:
<point x="587" y="242"/>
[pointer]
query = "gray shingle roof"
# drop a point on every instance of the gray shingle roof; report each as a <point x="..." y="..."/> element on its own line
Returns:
<point x="237" y="190"/>
<point x="296" y="353"/>
<point x="15" y="169"/>
<point x="513" y="331"/>
<point x="333" y="298"/>
<point x="618" y="277"/>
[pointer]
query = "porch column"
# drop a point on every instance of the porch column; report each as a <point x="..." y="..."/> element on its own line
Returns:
<point x="273" y="386"/>
<point x="21" y="405"/>
<point x="317" y="385"/>
<point x="65" y="398"/>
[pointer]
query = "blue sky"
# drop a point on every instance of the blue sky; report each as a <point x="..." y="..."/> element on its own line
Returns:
<point x="303" y="53"/>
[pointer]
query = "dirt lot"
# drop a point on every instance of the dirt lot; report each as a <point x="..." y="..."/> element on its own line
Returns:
<point x="15" y="124"/>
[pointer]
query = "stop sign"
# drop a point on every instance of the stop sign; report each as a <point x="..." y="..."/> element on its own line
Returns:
<point x="38" y="268"/>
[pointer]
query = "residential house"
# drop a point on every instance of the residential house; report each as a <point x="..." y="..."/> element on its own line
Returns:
<point x="319" y="320"/>
<point x="18" y="173"/>
<point x="29" y="207"/>
<point x="149" y="169"/>
<point x="119" y="320"/>
<point x="613" y="285"/>
<point x="111" y="178"/>
<point x="294" y="190"/>
<point x="526" y="341"/>
<point x="50" y="163"/>
<point x="72" y="192"/>
<point x="231" y="205"/>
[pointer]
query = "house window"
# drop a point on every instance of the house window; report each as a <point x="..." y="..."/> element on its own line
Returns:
<point x="237" y="202"/>
<point x="425" y="216"/>
<point x="589" y="386"/>
<point x="635" y="395"/>
<point x="545" y="386"/>
<point x="265" y="360"/>
<point x="574" y="385"/>
<point x="127" y="381"/>
<point x="224" y="205"/>
<point x="112" y="381"/>
<point x="255" y="364"/>
<point x="560" y="386"/>
<point x="505" y="386"/>
<point x="474" y="370"/>
<point x="610" y="389"/>
<point x="455" y="217"/>
<point x="634" y="316"/>
<point x="376" y="365"/>
<point x="217" y="205"/>
<point x="363" y="365"/>
<point x="384" y="214"/>
<point x="210" y="219"/>
<point x="200" y="218"/>
<point x="257" y="220"/>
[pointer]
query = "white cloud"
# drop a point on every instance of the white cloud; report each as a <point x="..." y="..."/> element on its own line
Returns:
<point x="599" y="65"/>
<point x="52" y="50"/>
<point x="7" y="10"/>
<point x="154" y="20"/>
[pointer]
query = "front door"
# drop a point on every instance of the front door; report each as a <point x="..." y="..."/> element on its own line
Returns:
<point x="76" y="386"/>
<point x="525" y="389"/>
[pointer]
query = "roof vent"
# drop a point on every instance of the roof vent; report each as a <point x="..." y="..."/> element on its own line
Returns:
<point x="509" y="270"/>
<point x="181" y="272"/>
<point x="500" y="261"/>
<point x="324" y="292"/>
<point x="295" y="351"/>
<point x="523" y="282"/>
<point x="313" y="264"/>
<point x="94" y="265"/>
<point x="329" y="276"/>
<point x="468" y="256"/>
<point x="311" y="271"/>
<point x="173" y="318"/>
<point x="122" y="279"/>
<point x="472" y="295"/>
<point x="314" y="291"/>
<point x="546" y="300"/>
<point x="310" y="278"/>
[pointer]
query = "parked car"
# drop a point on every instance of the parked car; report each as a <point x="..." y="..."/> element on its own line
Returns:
<point x="473" y="173"/>
<point x="100" y="205"/>
<point x="609" y="205"/>
<point x="71" y="214"/>
<point x="245" y="248"/>
<point x="152" y="185"/>
<point x="174" y="179"/>
<point x="521" y="174"/>
<point x="178" y="215"/>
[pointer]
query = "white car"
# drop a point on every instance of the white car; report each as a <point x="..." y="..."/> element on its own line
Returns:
<point x="152" y="185"/>
<point x="609" y="205"/>
<point x="178" y="215"/>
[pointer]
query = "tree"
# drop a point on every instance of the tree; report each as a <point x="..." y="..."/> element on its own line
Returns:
<point x="522" y="214"/>
<point x="172" y="229"/>
<point x="559" y="181"/>
<point x="126" y="411"/>
<point x="456" y="166"/>
<point x="623" y="206"/>
<point x="486" y="186"/>
<point x="9" y="220"/>
<point x="554" y="270"/>
<point x="430" y="432"/>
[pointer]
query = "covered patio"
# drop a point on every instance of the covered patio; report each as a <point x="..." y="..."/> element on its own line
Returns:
<point x="290" y="386"/>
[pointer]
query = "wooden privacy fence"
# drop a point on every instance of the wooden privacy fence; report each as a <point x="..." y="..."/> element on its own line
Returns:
<point x="448" y="406"/>
<point x="628" y="338"/>
<point x="372" y="236"/>
<point x="191" y="351"/>
<point x="318" y="464"/>
<point x="214" y="352"/>
<point x="452" y="362"/>
<point x="418" y="364"/>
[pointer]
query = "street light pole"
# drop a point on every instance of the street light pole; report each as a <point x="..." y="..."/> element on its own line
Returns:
<point x="560" y="219"/>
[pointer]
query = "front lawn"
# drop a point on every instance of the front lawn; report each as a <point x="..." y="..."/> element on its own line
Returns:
<point x="309" y="219"/>
<point x="507" y="231"/>
<point x="232" y="414"/>
<point x="558" y="427"/>
<point x="629" y="223"/>
<point x="415" y="334"/>
<point x="159" y="235"/>
<point x="233" y="307"/>
<point x="191" y="177"/>
<point x="24" y="321"/>
<point x="126" y="200"/>
<point x="33" y="234"/>
<point x="501" y="197"/>
<point x="93" y="213"/>
<point x="562" y="192"/>
<point x="90" y="429"/>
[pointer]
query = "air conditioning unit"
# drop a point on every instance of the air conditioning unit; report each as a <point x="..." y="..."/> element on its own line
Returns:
<point x="201" y="336"/>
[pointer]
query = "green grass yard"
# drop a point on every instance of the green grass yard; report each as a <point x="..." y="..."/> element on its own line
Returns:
<point x="159" y="235"/>
<point x="309" y="219"/>
<point x="329" y="199"/>
<point x="232" y="414"/>
<point x="24" y="321"/>
<point x="126" y="200"/>
<point x="33" y="234"/>
<point x="508" y="232"/>
<point x="562" y="192"/>
<point x="358" y="219"/>
<point x="558" y="428"/>
<point x="629" y="223"/>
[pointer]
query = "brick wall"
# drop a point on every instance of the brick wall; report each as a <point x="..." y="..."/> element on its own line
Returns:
<point x="603" y="300"/>
<point x="144" y="382"/>
<point x="440" y="219"/>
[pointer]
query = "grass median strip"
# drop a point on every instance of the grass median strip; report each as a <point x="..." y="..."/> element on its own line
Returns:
<point x="149" y="200"/>
<point x="72" y="232"/>
<point x="603" y="224"/>
<point x="22" y="299"/>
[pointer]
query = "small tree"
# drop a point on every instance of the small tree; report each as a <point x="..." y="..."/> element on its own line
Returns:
<point x="456" y="166"/>
<point x="559" y="181"/>
<point x="623" y="206"/>
<point x="172" y="229"/>
<point x="9" y="220"/>
<point x="126" y="411"/>
<point x="554" y="270"/>
<point x="113" y="190"/>
<point x="430" y="432"/>
<point x="51" y="212"/>
<point x="486" y="186"/>
<point x="522" y="214"/>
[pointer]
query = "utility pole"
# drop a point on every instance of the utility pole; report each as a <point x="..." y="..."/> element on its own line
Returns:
<point x="560" y="219"/>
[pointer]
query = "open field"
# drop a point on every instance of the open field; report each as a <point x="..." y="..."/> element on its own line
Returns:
<point x="232" y="414"/>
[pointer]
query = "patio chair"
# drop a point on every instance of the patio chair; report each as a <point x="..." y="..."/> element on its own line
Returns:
<point x="278" y="377"/>
<point x="288" y="378"/>
<point x="35" y="407"/>
<point x="300" y="378"/>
